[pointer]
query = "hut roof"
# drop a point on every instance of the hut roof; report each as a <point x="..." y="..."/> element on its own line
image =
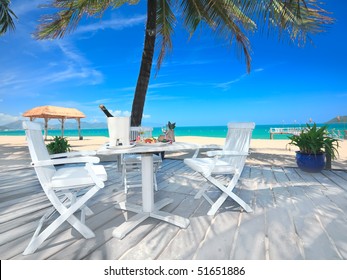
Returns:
<point x="54" y="112"/>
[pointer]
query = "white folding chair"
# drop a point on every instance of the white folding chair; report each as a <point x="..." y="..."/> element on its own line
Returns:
<point x="131" y="163"/>
<point x="229" y="161"/>
<point x="67" y="188"/>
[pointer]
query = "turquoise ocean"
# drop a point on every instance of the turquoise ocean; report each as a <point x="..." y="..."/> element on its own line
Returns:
<point x="260" y="131"/>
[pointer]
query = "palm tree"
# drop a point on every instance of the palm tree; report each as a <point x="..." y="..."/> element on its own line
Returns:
<point x="229" y="19"/>
<point x="6" y="17"/>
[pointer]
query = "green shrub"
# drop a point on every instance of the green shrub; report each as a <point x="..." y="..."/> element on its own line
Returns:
<point x="58" y="145"/>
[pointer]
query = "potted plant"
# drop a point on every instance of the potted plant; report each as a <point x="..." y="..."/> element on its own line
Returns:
<point x="58" y="145"/>
<point x="314" y="145"/>
<point x="170" y="134"/>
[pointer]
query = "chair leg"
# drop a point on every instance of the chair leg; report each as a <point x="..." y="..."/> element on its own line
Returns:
<point x="218" y="203"/>
<point x="86" y="211"/>
<point x="227" y="191"/>
<point x="129" y="184"/>
<point x="155" y="181"/>
<point x="209" y="200"/>
<point x="156" y="168"/>
<point x="202" y="191"/>
<point x="124" y="178"/>
<point x="66" y="214"/>
<point x="76" y="223"/>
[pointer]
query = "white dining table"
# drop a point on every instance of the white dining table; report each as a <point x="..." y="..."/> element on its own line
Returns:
<point x="149" y="208"/>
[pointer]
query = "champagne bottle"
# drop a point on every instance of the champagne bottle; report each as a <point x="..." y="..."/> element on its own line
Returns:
<point x="106" y="112"/>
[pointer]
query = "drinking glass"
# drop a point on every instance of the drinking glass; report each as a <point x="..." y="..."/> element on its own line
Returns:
<point x="164" y="130"/>
<point x="141" y="134"/>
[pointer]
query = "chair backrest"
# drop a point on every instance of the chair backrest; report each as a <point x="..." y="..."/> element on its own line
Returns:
<point x="238" y="139"/>
<point x="38" y="151"/>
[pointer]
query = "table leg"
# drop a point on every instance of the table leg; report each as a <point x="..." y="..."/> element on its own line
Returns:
<point x="147" y="182"/>
<point x="119" y="165"/>
<point x="149" y="208"/>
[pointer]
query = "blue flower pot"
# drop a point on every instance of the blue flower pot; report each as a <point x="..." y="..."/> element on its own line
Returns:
<point x="309" y="162"/>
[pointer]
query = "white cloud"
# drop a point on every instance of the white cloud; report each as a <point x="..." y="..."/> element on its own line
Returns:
<point x="72" y="66"/>
<point x="71" y="53"/>
<point x="227" y="85"/>
<point x="8" y="78"/>
<point x="6" y="119"/>
<point x="119" y="113"/>
<point x="78" y="67"/>
<point x="21" y="8"/>
<point x="115" y="24"/>
<point x="162" y="85"/>
<point x="84" y="75"/>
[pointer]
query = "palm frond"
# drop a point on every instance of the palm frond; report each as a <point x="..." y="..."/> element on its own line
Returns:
<point x="194" y="11"/>
<point x="165" y="25"/>
<point x="298" y="18"/>
<point x="6" y="17"/>
<point x="70" y="13"/>
<point x="232" y="25"/>
<point x="225" y="18"/>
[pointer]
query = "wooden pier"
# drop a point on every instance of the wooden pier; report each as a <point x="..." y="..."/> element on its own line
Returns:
<point x="284" y="130"/>
<point x="334" y="133"/>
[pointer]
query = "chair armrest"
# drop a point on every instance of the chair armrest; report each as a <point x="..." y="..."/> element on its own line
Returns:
<point x="74" y="154"/>
<point x="66" y="161"/>
<point x="225" y="153"/>
<point x="211" y="146"/>
<point x="207" y="146"/>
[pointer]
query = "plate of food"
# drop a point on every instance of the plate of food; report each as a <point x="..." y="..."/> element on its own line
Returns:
<point x="156" y="144"/>
<point x="121" y="146"/>
<point x="150" y="142"/>
<point x="166" y="141"/>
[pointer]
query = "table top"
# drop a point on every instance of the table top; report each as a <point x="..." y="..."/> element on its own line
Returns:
<point x="146" y="148"/>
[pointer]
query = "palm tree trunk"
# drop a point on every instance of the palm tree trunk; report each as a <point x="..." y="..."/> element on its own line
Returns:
<point x="146" y="64"/>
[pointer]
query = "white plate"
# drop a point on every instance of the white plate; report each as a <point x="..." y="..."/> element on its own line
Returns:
<point x="157" y="144"/>
<point x="121" y="147"/>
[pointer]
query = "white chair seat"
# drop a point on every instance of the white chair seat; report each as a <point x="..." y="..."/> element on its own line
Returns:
<point x="203" y="165"/>
<point x="69" y="177"/>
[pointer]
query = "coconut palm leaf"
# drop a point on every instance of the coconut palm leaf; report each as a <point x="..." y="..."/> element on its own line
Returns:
<point x="6" y="17"/>
<point x="223" y="17"/>
<point x="165" y="25"/>
<point x="298" y="18"/>
<point x="70" y="13"/>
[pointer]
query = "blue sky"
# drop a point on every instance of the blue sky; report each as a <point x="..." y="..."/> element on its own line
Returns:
<point x="201" y="82"/>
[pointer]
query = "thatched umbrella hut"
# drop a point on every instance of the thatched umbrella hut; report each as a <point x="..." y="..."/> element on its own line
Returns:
<point x="54" y="112"/>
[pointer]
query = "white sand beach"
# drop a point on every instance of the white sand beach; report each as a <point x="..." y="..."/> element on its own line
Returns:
<point x="263" y="152"/>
